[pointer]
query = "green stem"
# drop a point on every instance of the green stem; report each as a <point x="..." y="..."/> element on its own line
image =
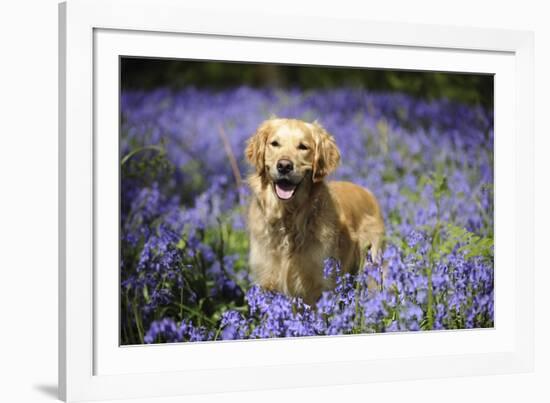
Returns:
<point x="430" y="313"/>
<point x="218" y="331"/>
<point x="129" y="329"/>
<point x="138" y="321"/>
<point x="198" y="314"/>
<point x="138" y="150"/>
<point x="359" y="314"/>
<point x="435" y="245"/>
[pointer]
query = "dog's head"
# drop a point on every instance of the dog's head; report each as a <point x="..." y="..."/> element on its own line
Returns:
<point x="287" y="152"/>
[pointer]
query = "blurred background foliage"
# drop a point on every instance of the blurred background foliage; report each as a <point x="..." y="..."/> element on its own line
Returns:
<point x="146" y="74"/>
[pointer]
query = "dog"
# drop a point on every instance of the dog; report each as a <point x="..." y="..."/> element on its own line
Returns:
<point x="296" y="219"/>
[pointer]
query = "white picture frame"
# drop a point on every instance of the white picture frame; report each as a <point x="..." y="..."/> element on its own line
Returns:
<point x="92" y="365"/>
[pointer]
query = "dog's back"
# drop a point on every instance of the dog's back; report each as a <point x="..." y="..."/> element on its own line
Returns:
<point x="360" y="214"/>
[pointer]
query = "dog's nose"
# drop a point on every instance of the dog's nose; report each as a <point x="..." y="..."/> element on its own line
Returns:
<point x="284" y="166"/>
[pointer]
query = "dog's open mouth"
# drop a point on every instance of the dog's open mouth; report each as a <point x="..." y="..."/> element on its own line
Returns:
<point x="285" y="189"/>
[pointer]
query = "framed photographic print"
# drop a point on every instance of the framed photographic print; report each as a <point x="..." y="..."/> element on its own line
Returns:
<point x="241" y="207"/>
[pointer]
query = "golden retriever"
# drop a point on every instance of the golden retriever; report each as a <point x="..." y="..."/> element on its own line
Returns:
<point x="296" y="220"/>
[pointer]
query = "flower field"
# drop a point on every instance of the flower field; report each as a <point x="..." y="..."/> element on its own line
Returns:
<point x="184" y="244"/>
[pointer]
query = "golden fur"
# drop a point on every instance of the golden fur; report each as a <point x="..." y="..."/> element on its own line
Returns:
<point x="290" y="238"/>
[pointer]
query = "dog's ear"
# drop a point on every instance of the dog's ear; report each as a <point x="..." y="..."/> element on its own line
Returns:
<point x="255" y="147"/>
<point x="327" y="154"/>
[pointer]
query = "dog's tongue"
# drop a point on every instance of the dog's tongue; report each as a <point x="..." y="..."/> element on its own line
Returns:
<point x="284" y="191"/>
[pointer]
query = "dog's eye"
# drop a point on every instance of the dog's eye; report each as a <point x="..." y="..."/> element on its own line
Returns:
<point x="303" y="147"/>
<point x="275" y="143"/>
